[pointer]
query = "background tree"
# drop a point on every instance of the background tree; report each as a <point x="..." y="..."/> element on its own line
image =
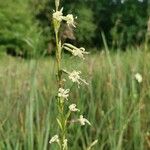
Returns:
<point x="26" y="28"/>
<point x="20" y="33"/>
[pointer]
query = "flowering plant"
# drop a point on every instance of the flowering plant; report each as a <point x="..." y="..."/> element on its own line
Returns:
<point x="74" y="76"/>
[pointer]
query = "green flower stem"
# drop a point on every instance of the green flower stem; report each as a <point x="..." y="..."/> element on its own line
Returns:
<point x="61" y="119"/>
<point x="58" y="59"/>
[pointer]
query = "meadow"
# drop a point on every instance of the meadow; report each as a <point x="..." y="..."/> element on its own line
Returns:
<point x="114" y="102"/>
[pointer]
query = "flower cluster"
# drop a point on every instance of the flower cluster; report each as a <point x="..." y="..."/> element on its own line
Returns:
<point x="73" y="108"/>
<point x="58" y="16"/>
<point x="69" y="20"/>
<point x="63" y="93"/>
<point x="83" y="120"/>
<point x="74" y="76"/>
<point x="80" y="52"/>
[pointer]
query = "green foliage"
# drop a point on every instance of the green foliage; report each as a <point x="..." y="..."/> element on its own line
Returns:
<point x="26" y="27"/>
<point x="130" y="23"/>
<point x="124" y="24"/>
<point x="19" y="31"/>
<point x="86" y="27"/>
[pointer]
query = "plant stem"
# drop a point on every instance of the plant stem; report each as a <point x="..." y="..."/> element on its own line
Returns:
<point x="58" y="60"/>
<point x="59" y="80"/>
<point x="61" y="118"/>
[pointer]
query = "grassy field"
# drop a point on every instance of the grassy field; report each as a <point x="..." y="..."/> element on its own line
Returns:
<point x="117" y="106"/>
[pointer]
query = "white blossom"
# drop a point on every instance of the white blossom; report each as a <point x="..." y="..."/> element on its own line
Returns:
<point x="55" y="138"/>
<point x="63" y="93"/>
<point x="65" y="144"/>
<point x="70" y="20"/>
<point x="58" y="15"/>
<point x="73" y="108"/>
<point x="138" y="77"/>
<point x="80" y="52"/>
<point x="75" y="76"/>
<point x="83" y="120"/>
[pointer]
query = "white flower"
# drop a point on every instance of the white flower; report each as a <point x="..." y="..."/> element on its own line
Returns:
<point x="80" y="52"/>
<point x="83" y="120"/>
<point x="74" y="76"/>
<point x="58" y="15"/>
<point x="65" y="144"/>
<point x="55" y="138"/>
<point x="64" y="93"/>
<point x="73" y="108"/>
<point x="138" y="77"/>
<point x="70" y="20"/>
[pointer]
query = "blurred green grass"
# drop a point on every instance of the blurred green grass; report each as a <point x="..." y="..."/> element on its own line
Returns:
<point x="114" y="102"/>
